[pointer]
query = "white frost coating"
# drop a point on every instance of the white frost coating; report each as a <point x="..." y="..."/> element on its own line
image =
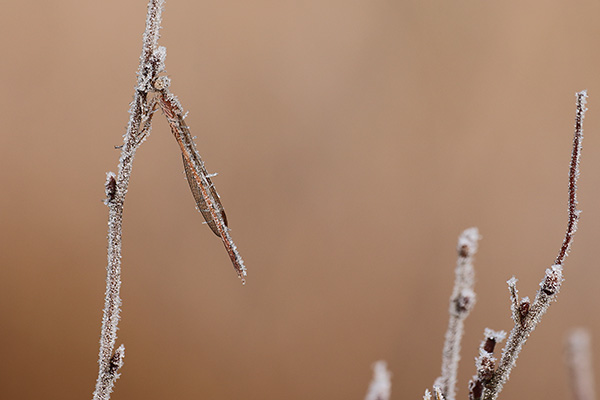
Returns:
<point x="427" y="395"/>
<point x="498" y="336"/>
<point x="514" y="298"/>
<point x="553" y="279"/>
<point x="381" y="385"/>
<point x="161" y="53"/>
<point x="468" y="241"/>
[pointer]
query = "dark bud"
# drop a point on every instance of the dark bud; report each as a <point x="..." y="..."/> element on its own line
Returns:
<point x="475" y="389"/>
<point x="552" y="281"/>
<point x="110" y="187"/>
<point x="490" y="344"/>
<point x="486" y="368"/>
<point x="464" y="302"/>
<point x="464" y="251"/>
<point x="115" y="363"/>
<point x="524" y="308"/>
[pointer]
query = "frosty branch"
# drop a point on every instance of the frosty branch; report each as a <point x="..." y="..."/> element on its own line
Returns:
<point x="526" y="315"/>
<point x="140" y="115"/>
<point x="462" y="302"/>
<point x="491" y="374"/>
<point x="151" y="92"/>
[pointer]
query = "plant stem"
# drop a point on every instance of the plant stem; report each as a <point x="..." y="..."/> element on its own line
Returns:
<point x="140" y="114"/>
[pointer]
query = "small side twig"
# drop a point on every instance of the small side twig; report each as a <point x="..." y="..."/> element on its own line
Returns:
<point x="140" y="113"/>
<point x="579" y="363"/>
<point x="485" y="363"/>
<point x="527" y="316"/>
<point x="462" y="302"/>
<point x="381" y="385"/>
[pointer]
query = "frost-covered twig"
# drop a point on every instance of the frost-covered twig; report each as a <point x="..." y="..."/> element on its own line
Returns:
<point x="462" y="301"/>
<point x="526" y="316"/>
<point x="485" y="363"/>
<point x="579" y="362"/>
<point x="202" y="188"/>
<point x="381" y="385"/>
<point x="140" y="114"/>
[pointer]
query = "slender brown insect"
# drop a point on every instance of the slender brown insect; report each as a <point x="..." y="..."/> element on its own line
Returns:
<point x="203" y="190"/>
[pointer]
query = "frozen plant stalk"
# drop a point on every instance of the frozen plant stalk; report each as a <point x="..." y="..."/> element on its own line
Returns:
<point x="151" y="92"/>
<point x="461" y="304"/>
<point x="140" y="115"/>
<point x="526" y="314"/>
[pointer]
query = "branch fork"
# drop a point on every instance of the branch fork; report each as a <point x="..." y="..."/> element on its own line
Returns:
<point x="492" y="373"/>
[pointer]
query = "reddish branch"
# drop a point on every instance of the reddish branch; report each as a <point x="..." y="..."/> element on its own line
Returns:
<point x="526" y="314"/>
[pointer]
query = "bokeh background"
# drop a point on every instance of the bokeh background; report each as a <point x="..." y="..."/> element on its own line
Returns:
<point x="354" y="141"/>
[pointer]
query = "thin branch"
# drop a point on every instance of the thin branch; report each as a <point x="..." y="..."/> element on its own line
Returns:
<point x="529" y="315"/>
<point x="514" y="299"/>
<point x="573" y="176"/>
<point x="579" y="363"/>
<point x="140" y="113"/>
<point x="485" y="363"/>
<point x="381" y="385"/>
<point x="462" y="302"/>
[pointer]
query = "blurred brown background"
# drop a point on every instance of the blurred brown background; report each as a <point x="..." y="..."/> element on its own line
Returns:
<point x="354" y="141"/>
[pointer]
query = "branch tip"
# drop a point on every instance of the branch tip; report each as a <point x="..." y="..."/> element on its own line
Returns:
<point x="467" y="242"/>
<point x="573" y="176"/>
<point x="381" y="384"/>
